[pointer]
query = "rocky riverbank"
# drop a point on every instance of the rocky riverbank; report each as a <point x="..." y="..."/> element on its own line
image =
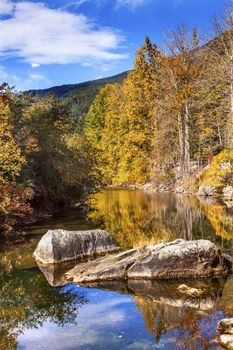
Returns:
<point x="212" y="180"/>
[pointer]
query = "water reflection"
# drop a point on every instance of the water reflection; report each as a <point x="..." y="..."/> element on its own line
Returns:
<point x="27" y="301"/>
<point x="40" y="313"/>
<point x="189" y="321"/>
<point x="55" y="273"/>
<point x="136" y="217"/>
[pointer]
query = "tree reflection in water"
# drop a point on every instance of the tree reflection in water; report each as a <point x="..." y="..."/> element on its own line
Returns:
<point x="27" y="301"/>
<point x="137" y="218"/>
<point x="168" y="314"/>
<point x="193" y="328"/>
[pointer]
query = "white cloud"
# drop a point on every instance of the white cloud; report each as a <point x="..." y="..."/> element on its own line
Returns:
<point x="6" y="7"/>
<point x="75" y="3"/>
<point x="41" y="35"/>
<point x="35" y="65"/>
<point x="131" y="3"/>
<point x="35" y="76"/>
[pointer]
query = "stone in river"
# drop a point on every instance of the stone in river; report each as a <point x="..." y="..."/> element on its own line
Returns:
<point x="60" y="245"/>
<point x="177" y="259"/>
<point x="192" y="292"/>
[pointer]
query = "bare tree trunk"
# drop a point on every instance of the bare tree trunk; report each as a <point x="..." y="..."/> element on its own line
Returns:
<point x="186" y="141"/>
<point x="230" y="138"/>
<point x="219" y="134"/>
<point x="181" y="141"/>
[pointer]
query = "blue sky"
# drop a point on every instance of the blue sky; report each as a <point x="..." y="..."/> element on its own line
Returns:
<point x="52" y="42"/>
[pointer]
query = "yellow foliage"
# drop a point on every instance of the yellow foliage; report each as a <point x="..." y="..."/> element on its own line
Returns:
<point x="220" y="171"/>
<point x="11" y="159"/>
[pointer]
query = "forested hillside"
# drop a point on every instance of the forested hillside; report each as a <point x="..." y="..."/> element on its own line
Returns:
<point x="174" y="109"/>
<point x="45" y="165"/>
<point x="79" y="97"/>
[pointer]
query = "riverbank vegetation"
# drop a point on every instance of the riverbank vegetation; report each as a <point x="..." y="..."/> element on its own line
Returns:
<point x="44" y="163"/>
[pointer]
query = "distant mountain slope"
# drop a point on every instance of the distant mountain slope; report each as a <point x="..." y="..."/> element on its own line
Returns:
<point x="79" y="97"/>
<point x="64" y="90"/>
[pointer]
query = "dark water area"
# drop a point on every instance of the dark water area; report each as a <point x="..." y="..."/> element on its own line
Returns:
<point x="39" y="310"/>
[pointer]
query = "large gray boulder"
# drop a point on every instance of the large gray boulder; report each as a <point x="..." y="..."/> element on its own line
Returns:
<point x="60" y="245"/>
<point x="177" y="259"/>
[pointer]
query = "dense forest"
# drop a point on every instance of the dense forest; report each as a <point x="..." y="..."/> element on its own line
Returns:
<point x="174" y="110"/>
<point x="79" y="97"/>
<point x="44" y="164"/>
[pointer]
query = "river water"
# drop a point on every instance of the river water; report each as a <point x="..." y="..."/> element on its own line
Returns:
<point x="39" y="311"/>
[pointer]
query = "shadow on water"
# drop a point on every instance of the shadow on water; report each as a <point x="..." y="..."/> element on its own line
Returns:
<point x="40" y="311"/>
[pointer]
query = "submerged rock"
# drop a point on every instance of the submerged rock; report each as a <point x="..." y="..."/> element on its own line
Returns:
<point x="225" y="328"/>
<point x="177" y="259"/>
<point x="192" y="292"/>
<point x="60" y="245"/>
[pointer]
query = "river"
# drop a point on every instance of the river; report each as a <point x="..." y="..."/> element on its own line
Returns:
<point x="39" y="311"/>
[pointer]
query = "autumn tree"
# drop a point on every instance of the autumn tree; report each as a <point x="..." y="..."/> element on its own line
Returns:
<point x="140" y="121"/>
<point x="14" y="199"/>
<point x="182" y="70"/>
<point x="43" y="163"/>
<point x="57" y="166"/>
<point x="121" y="124"/>
<point x="221" y="62"/>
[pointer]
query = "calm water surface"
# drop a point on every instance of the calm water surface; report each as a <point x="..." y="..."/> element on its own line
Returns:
<point x="39" y="311"/>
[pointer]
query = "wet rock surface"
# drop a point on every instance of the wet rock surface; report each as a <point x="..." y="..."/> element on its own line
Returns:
<point x="164" y="261"/>
<point x="60" y="245"/>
